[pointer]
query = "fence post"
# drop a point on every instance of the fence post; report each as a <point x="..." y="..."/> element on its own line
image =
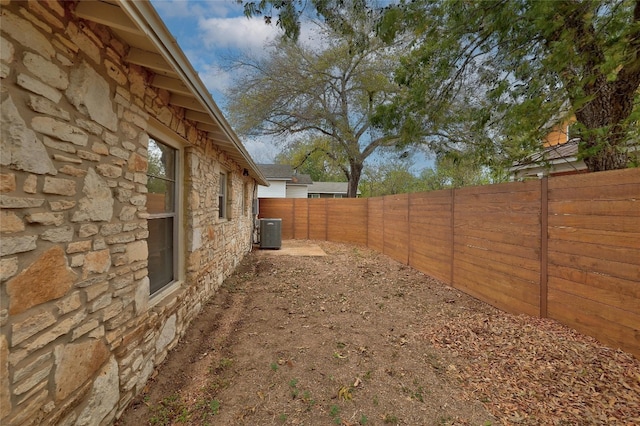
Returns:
<point x="453" y="234"/>
<point x="544" y="244"/>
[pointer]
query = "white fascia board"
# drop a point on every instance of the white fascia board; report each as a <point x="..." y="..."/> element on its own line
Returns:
<point x="150" y="23"/>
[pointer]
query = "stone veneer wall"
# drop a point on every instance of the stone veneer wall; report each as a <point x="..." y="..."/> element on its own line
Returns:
<point x="79" y="335"/>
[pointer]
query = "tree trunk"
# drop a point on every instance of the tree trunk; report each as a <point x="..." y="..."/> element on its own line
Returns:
<point x="354" y="179"/>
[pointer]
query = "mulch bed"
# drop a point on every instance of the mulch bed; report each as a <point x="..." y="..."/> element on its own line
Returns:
<point x="534" y="371"/>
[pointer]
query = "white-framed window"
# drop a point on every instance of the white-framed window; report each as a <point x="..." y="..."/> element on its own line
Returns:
<point x="338" y="196"/>
<point x="314" y="195"/>
<point x="223" y="196"/>
<point x="245" y="200"/>
<point x="163" y="178"/>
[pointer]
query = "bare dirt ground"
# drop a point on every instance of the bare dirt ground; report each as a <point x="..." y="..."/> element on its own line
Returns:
<point x="355" y="338"/>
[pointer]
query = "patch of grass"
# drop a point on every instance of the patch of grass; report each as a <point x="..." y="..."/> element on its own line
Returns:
<point x="375" y="401"/>
<point x="363" y="420"/>
<point x="293" y="387"/>
<point x="282" y="418"/>
<point x="170" y="410"/>
<point x="225" y="362"/>
<point x="390" y="419"/>
<point x="274" y="366"/>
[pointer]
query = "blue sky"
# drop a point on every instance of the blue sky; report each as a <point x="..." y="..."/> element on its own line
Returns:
<point x="210" y="30"/>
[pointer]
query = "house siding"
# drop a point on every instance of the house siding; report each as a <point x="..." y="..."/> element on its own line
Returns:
<point x="79" y="334"/>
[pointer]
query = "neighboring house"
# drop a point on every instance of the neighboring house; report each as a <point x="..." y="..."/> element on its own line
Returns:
<point x="558" y="157"/>
<point x="329" y="190"/>
<point x="283" y="182"/>
<point x="126" y="201"/>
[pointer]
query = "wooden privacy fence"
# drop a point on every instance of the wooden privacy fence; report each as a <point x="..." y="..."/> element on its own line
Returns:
<point x="566" y="248"/>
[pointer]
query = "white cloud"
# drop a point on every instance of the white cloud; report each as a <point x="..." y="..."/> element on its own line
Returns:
<point x="263" y="150"/>
<point x="215" y="78"/>
<point x="236" y="33"/>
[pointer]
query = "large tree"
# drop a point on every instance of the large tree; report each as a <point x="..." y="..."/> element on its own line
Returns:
<point x="330" y="92"/>
<point x="534" y="64"/>
<point x="530" y="64"/>
<point x="313" y="156"/>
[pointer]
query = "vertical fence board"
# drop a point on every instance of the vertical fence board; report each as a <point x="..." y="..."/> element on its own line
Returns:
<point x="301" y="219"/>
<point x="396" y="227"/>
<point x="347" y="220"/>
<point x="375" y="224"/>
<point x="317" y="218"/>
<point x="430" y="230"/>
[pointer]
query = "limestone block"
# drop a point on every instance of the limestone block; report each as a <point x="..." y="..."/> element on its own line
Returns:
<point x="41" y="11"/>
<point x="103" y="398"/>
<point x="5" y="394"/>
<point x="137" y="163"/>
<point x="115" y="72"/>
<point x="141" y="297"/>
<point x="72" y="171"/>
<point x="57" y="206"/>
<point x="109" y="171"/>
<point x="60" y="130"/>
<point x="45" y="218"/>
<point x="84" y="328"/>
<point x="75" y="363"/>
<point x="79" y="246"/>
<point x="61" y="146"/>
<point x="26" y="34"/>
<point x="7" y="182"/>
<point x="167" y="334"/>
<point x="10" y="222"/>
<point x="98" y="203"/>
<point x="59" y="186"/>
<point x="96" y="262"/>
<point x="34" y="323"/>
<point x="119" y="152"/>
<point x="89" y="93"/>
<point x="46" y="279"/>
<point x="8" y="268"/>
<point x="87" y="230"/>
<point x="66" y="159"/>
<point x="62" y="234"/>
<point x="90" y="126"/>
<point x="30" y="184"/>
<point x="127" y="213"/>
<point x="137" y="251"/>
<point x="8" y="202"/>
<point x="36" y="86"/>
<point x="86" y="155"/>
<point x="6" y="50"/>
<point x="100" y="148"/>
<point x="45" y="106"/>
<point x="83" y="42"/>
<point x="110" y="229"/>
<point x="45" y="70"/>
<point x="20" y="148"/>
<point x="69" y="303"/>
<point x="13" y="245"/>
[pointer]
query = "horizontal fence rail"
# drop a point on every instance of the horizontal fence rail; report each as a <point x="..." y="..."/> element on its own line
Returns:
<point x="566" y="248"/>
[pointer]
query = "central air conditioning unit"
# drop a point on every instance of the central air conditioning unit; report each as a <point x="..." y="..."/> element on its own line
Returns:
<point x="270" y="233"/>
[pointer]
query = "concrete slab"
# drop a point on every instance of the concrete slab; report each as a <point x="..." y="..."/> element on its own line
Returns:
<point x="294" y="248"/>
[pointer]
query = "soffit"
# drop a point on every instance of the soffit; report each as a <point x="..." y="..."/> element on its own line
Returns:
<point x="153" y="47"/>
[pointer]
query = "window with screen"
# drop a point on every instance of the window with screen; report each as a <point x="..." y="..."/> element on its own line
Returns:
<point x="163" y="214"/>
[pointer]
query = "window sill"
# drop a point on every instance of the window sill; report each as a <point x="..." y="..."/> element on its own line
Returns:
<point x="161" y="296"/>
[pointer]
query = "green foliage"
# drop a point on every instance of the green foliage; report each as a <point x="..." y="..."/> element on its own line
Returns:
<point x="313" y="156"/>
<point x="326" y="97"/>
<point x="492" y="77"/>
